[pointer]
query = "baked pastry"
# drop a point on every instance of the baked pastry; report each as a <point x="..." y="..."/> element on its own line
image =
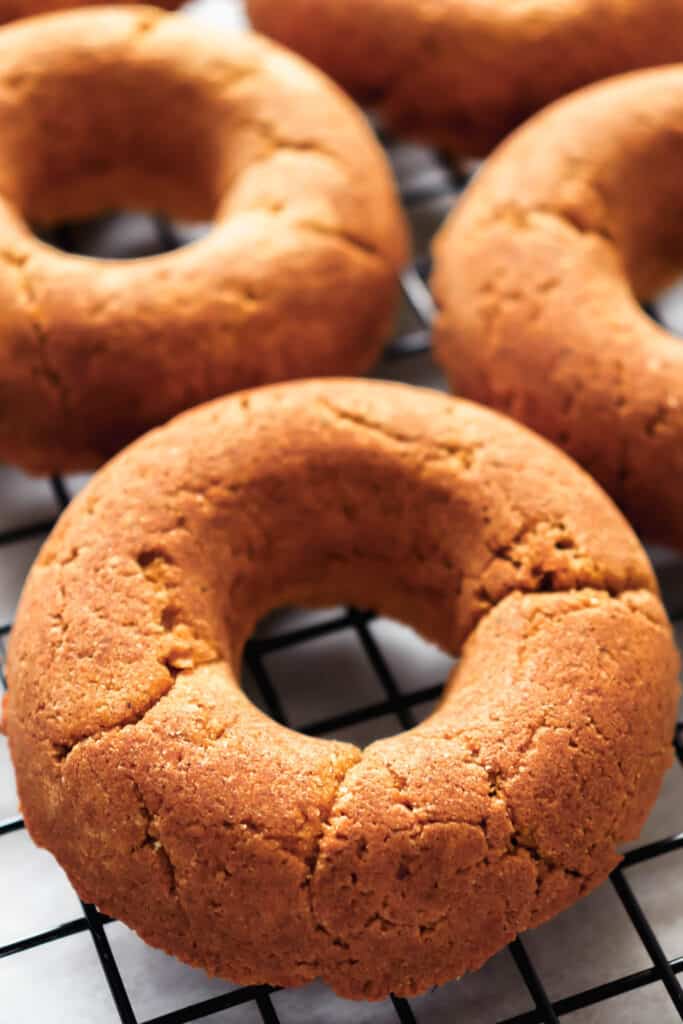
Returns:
<point x="463" y="73"/>
<point x="268" y="856"/>
<point x="108" y="107"/>
<point x="539" y="273"/>
<point x="10" y="10"/>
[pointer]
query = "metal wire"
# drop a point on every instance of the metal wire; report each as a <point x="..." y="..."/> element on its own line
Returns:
<point x="407" y="345"/>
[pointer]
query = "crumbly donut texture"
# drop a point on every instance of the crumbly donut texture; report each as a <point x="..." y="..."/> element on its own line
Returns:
<point x="538" y="274"/>
<point x="267" y="856"/>
<point x="109" y="107"/>
<point x="463" y="73"/>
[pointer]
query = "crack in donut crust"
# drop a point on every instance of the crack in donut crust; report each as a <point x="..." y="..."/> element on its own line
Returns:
<point x="268" y="855"/>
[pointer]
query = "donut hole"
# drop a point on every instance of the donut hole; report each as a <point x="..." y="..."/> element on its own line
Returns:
<point x="343" y="674"/>
<point x="140" y="135"/>
<point x="304" y="530"/>
<point x="636" y="199"/>
<point x="124" y="234"/>
<point x="667" y="308"/>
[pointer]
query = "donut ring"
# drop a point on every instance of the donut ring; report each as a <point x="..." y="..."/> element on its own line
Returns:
<point x="267" y="856"/>
<point x="10" y="10"/>
<point x="463" y="73"/>
<point x="538" y="274"/>
<point x="297" y="277"/>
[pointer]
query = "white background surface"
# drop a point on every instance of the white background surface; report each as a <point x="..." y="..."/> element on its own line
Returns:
<point x="588" y="945"/>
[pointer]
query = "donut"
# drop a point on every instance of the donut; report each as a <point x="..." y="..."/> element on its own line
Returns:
<point x="462" y="73"/>
<point x="539" y="273"/>
<point x="264" y="855"/>
<point x="131" y="107"/>
<point x="10" y="10"/>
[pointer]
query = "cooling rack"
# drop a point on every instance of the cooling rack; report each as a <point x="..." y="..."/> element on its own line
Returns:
<point x="615" y="957"/>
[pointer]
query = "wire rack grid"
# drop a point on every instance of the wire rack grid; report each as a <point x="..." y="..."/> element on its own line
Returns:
<point x="428" y="187"/>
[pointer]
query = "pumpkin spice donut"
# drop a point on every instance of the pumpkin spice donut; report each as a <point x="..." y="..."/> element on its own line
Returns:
<point x="267" y="856"/>
<point x="462" y="73"/>
<point x="109" y="107"/>
<point x="539" y="273"/>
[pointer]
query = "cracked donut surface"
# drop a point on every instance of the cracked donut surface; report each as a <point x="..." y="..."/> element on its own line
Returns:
<point x="131" y="107"/>
<point x="463" y="73"/>
<point x="264" y="855"/>
<point x="539" y="274"/>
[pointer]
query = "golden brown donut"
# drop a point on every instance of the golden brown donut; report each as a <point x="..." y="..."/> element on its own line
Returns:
<point x="539" y="273"/>
<point x="10" y="10"/>
<point x="463" y="73"/>
<point x="267" y="856"/>
<point x="109" y="107"/>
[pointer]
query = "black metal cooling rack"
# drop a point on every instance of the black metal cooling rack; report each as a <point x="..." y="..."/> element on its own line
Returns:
<point x="444" y="184"/>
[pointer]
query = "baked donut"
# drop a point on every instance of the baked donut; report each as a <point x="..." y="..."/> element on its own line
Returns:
<point x="108" y="107"/>
<point x="539" y="273"/>
<point x="463" y="73"/>
<point x="10" y="10"/>
<point x="268" y="856"/>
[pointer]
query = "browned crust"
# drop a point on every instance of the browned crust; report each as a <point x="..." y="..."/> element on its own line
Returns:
<point x="10" y="10"/>
<point x="267" y="856"/>
<point x="538" y="275"/>
<point x="463" y="73"/>
<point x="298" y="277"/>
